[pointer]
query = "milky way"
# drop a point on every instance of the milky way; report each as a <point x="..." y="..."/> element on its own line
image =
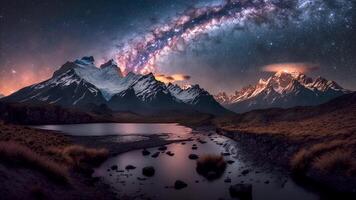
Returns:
<point x="141" y="55"/>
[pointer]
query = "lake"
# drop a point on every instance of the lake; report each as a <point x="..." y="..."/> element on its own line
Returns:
<point x="266" y="183"/>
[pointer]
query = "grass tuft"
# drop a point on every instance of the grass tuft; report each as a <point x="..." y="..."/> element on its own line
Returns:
<point x="211" y="166"/>
<point x="79" y="157"/>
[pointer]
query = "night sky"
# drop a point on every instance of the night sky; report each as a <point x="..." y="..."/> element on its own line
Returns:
<point x="221" y="45"/>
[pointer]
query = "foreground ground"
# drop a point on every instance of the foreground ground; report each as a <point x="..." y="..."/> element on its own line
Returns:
<point x="38" y="164"/>
<point x="316" y="143"/>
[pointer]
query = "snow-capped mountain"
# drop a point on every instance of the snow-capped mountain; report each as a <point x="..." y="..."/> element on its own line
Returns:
<point x="283" y="90"/>
<point x="1" y="95"/>
<point x="195" y="96"/>
<point x="81" y="84"/>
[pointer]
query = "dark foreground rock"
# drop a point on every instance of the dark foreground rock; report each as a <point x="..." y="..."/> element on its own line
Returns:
<point x="148" y="171"/>
<point x="145" y="152"/>
<point x="155" y="155"/>
<point x="114" y="167"/>
<point x="180" y="185"/>
<point x="170" y="153"/>
<point x="162" y="148"/>
<point x="193" y="156"/>
<point x="130" y="167"/>
<point x="241" y="191"/>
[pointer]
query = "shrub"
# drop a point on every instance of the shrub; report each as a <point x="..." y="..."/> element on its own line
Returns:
<point x="20" y="156"/>
<point x="211" y="166"/>
<point x="77" y="156"/>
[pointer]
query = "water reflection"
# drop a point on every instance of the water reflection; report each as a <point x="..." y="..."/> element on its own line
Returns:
<point x="266" y="184"/>
<point x="100" y="129"/>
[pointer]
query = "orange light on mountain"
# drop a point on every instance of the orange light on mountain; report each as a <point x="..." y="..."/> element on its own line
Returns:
<point x="291" y="67"/>
<point x="171" y="78"/>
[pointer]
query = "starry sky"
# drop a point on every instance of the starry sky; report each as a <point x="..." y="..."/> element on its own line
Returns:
<point x="221" y="45"/>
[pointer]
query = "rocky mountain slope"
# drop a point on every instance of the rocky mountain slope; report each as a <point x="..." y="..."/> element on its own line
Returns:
<point x="283" y="90"/>
<point x="80" y="84"/>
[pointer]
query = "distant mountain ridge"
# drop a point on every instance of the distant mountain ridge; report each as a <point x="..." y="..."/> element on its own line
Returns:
<point x="282" y="90"/>
<point x="80" y="84"/>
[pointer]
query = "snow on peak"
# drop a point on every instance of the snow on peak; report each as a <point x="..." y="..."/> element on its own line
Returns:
<point x="85" y="61"/>
<point x="282" y="83"/>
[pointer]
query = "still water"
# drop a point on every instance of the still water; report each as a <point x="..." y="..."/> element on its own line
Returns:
<point x="266" y="183"/>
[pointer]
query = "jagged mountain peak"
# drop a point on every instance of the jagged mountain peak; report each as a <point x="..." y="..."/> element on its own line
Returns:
<point x="110" y="63"/>
<point x="282" y="89"/>
<point x="85" y="61"/>
<point x="80" y="83"/>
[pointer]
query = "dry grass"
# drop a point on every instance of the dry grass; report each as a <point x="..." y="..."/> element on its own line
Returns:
<point x="326" y="157"/>
<point x="51" y="147"/>
<point x="21" y="156"/>
<point x="78" y="156"/>
<point x="339" y="160"/>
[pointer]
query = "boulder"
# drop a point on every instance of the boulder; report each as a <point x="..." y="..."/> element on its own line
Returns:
<point x="130" y="167"/>
<point x="114" y="167"/>
<point x="162" y="148"/>
<point x="155" y="155"/>
<point x="241" y="191"/>
<point x="170" y="153"/>
<point x="193" y="156"/>
<point x="148" y="171"/>
<point x="230" y="162"/>
<point x="145" y="152"/>
<point x="180" y="185"/>
<point x="227" y="180"/>
<point x="245" y="172"/>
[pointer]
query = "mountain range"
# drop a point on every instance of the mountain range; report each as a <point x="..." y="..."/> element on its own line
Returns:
<point x="1" y="95"/>
<point x="81" y="84"/>
<point x="283" y="90"/>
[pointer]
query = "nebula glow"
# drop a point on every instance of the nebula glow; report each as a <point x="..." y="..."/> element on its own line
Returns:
<point x="141" y="55"/>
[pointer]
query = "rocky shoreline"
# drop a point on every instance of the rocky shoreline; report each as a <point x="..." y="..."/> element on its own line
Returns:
<point x="277" y="151"/>
<point x="115" y="148"/>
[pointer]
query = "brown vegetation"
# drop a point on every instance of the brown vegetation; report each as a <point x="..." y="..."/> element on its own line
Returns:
<point x="48" y="147"/>
<point x="325" y="135"/>
<point x="78" y="156"/>
<point x="211" y="166"/>
<point x="336" y="156"/>
<point x="20" y="156"/>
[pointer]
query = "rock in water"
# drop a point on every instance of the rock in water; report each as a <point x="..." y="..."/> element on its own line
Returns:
<point x="227" y="180"/>
<point x="162" y="148"/>
<point x="242" y="191"/>
<point x="180" y="185"/>
<point x="130" y="167"/>
<point x="245" y="172"/>
<point x="230" y="162"/>
<point x="170" y="153"/>
<point x="145" y="152"/>
<point x="148" y="171"/>
<point x="193" y="156"/>
<point x="155" y="155"/>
